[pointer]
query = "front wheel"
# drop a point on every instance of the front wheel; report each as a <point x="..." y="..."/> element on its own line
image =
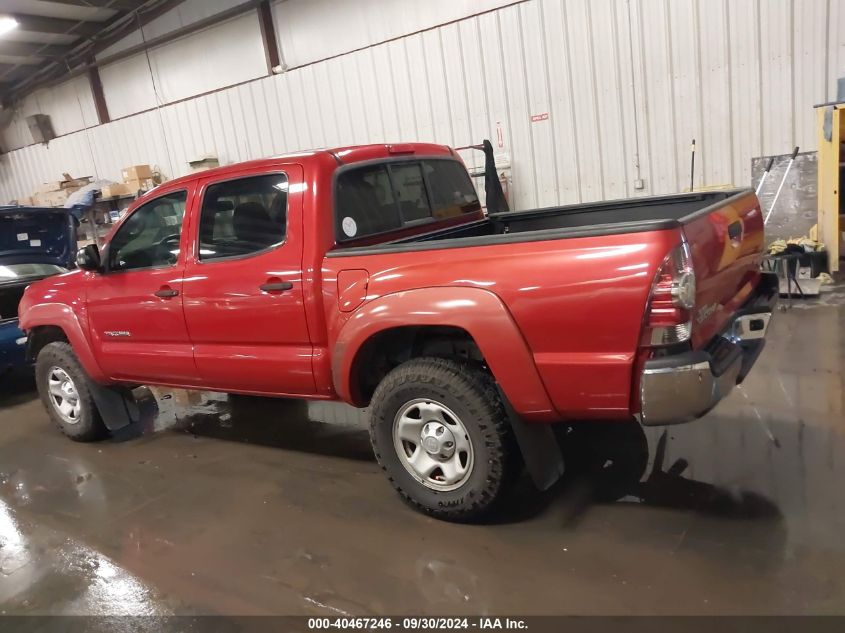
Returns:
<point x="440" y="431"/>
<point x="63" y="388"/>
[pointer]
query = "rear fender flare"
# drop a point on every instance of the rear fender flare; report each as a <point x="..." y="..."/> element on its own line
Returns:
<point x="62" y="316"/>
<point x="479" y="312"/>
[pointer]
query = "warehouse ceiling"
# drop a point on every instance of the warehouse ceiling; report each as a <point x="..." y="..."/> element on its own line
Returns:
<point x="54" y="37"/>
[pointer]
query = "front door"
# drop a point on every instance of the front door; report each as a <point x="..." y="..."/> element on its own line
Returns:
<point x="135" y="306"/>
<point x="243" y="292"/>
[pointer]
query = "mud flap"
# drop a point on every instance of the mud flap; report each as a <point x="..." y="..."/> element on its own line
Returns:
<point x="540" y="449"/>
<point x="116" y="405"/>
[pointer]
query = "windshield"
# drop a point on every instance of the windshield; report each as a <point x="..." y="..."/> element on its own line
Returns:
<point x="15" y="272"/>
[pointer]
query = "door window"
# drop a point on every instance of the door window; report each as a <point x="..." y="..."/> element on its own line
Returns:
<point x="243" y="216"/>
<point x="149" y="238"/>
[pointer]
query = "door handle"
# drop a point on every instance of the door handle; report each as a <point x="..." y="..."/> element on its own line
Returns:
<point x="276" y="286"/>
<point x="166" y="293"/>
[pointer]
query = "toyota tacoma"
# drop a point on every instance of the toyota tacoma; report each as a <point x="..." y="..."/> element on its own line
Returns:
<point x="373" y="275"/>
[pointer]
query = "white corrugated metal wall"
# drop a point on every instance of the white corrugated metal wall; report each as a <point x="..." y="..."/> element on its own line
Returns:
<point x="625" y="84"/>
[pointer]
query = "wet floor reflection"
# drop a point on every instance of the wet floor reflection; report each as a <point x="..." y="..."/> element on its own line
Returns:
<point x="605" y="463"/>
<point x="41" y="571"/>
<point x="214" y="504"/>
<point x="324" y="428"/>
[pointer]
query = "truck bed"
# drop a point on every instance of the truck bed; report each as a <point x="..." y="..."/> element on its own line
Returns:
<point x="581" y="220"/>
<point x="670" y="209"/>
<point x="725" y="229"/>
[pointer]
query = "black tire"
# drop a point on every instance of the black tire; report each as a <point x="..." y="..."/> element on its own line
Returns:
<point x="468" y="391"/>
<point x="89" y="426"/>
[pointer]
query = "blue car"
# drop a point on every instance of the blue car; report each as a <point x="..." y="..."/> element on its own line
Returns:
<point x="34" y="243"/>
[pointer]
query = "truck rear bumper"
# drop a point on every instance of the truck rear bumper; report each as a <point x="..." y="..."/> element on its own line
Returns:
<point x="683" y="387"/>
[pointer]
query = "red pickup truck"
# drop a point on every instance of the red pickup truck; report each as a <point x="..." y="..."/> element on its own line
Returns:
<point x="372" y="275"/>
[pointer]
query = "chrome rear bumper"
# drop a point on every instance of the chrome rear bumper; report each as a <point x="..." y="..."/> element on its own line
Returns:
<point x="683" y="387"/>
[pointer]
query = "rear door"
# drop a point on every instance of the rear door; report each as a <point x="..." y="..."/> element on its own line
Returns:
<point x="726" y="243"/>
<point x="243" y="286"/>
<point x="135" y="306"/>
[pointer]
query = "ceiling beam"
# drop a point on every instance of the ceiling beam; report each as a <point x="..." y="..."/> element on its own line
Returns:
<point x="29" y="63"/>
<point x="182" y="31"/>
<point x="130" y="22"/>
<point x="38" y="24"/>
<point x="29" y="49"/>
<point x="268" y="35"/>
<point x="97" y="93"/>
<point x="114" y="29"/>
<point x="142" y="20"/>
<point x="102" y="4"/>
<point x="10" y="72"/>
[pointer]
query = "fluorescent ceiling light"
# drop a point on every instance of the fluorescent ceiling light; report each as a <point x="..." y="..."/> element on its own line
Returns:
<point x="7" y="23"/>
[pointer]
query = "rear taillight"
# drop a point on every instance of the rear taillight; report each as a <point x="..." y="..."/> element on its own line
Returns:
<point x="668" y="318"/>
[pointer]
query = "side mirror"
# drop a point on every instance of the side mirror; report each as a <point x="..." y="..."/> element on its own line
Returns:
<point x="88" y="258"/>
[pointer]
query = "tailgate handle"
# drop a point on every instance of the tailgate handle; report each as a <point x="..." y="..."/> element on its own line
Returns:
<point x="735" y="232"/>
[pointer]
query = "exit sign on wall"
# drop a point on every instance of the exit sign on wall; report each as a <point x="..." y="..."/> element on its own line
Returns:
<point x="539" y="117"/>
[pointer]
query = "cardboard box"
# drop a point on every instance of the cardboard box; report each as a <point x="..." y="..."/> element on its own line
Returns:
<point x="47" y="187"/>
<point x="53" y="199"/>
<point x="76" y="183"/>
<point x="205" y="162"/>
<point x="117" y="189"/>
<point x="69" y="183"/>
<point x="139" y="184"/>
<point x="137" y="172"/>
<point x="50" y="198"/>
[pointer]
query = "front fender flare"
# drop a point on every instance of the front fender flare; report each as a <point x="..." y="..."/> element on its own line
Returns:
<point x="62" y="316"/>
<point x="479" y="312"/>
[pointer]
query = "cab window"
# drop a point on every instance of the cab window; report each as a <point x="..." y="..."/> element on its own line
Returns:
<point x="149" y="238"/>
<point x="243" y="216"/>
<point x="379" y="198"/>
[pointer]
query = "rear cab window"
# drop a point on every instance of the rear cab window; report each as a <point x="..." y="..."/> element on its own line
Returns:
<point x="379" y="198"/>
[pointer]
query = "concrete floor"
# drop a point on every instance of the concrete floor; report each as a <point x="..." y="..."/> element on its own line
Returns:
<point x="260" y="507"/>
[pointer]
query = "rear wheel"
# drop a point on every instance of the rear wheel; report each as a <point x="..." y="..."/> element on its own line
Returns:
<point x="440" y="432"/>
<point x="63" y="388"/>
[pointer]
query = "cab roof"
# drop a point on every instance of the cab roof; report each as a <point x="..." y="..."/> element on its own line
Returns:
<point x="340" y="155"/>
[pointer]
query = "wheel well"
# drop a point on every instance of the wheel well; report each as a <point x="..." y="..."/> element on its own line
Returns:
<point x="40" y="336"/>
<point x="389" y="348"/>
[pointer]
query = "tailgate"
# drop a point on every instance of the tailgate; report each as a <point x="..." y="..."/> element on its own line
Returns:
<point x="726" y="241"/>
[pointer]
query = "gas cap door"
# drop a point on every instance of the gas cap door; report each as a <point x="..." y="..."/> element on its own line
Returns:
<point x="351" y="289"/>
